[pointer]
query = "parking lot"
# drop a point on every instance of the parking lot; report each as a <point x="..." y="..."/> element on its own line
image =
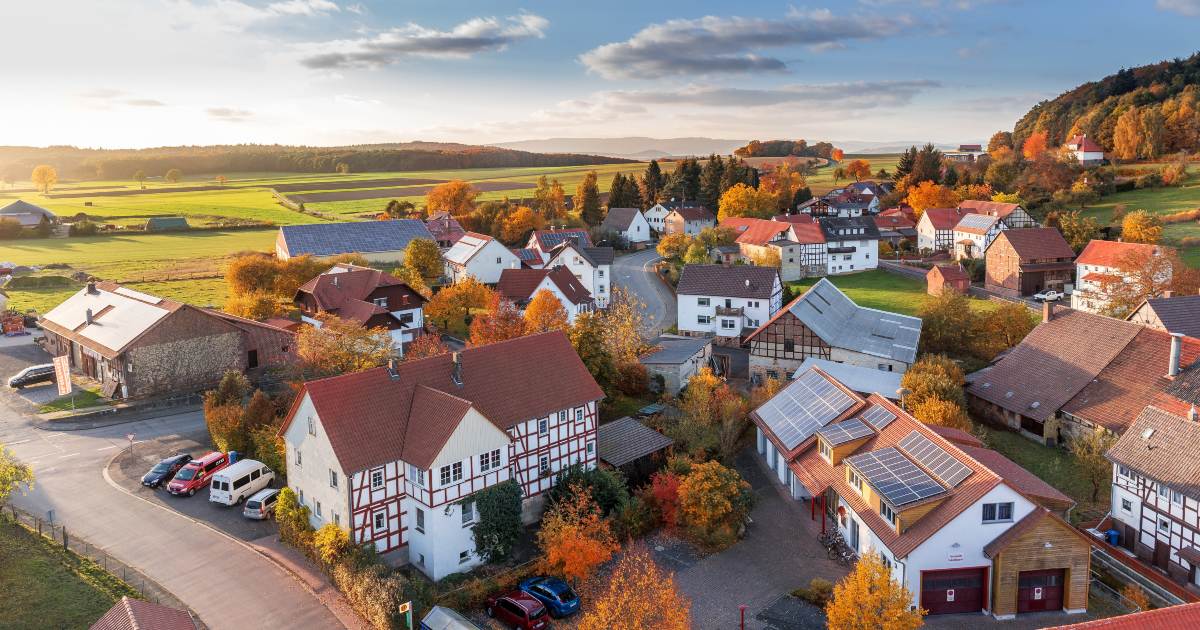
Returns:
<point x="127" y="470"/>
<point x="16" y="354"/>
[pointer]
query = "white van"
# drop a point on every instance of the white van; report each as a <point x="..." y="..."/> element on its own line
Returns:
<point x="234" y="483"/>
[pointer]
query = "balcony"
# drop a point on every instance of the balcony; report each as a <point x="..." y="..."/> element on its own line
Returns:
<point x="730" y="312"/>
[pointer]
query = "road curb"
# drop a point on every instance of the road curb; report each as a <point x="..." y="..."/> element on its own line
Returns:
<point x="287" y="571"/>
<point x="118" y="419"/>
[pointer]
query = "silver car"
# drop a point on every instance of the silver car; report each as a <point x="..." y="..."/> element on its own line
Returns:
<point x="261" y="505"/>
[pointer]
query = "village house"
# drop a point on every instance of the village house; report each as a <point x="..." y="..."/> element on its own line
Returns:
<point x="974" y="233"/>
<point x="138" y="345"/>
<point x="544" y="241"/>
<point x="962" y="528"/>
<point x="965" y="154"/>
<point x="367" y="297"/>
<point x="1077" y="371"/>
<point x="851" y="243"/>
<point x="376" y="241"/>
<point x="394" y="455"/>
<point x="591" y="265"/>
<point x="799" y="243"/>
<point x="726" y="301"/>
<point x="688" y="221"/>
<point x="1170" y="313"/>
<point x="942" y="277"/>
<point x="1012" y="215"/>
<point x="870" y="188"/>
<point x="1156" y="491"/>
<point x="1100" y="264"/>
<point x="30" y="216"/>
<point x="656" y="216"/>
<point x="895" y="228"/>
<point x="1020" y="263"/>
<point x="628" y="223"/>
<point x="530" y="258"/>
<point x="446" y="230"/>
<point x="519" y="286"/>
<point x="478" y="256"/>
<point x="826" y="324"/>
<point x="1085" y="150"/>
<point x="676" y="359"/>
<point x="935" y="228"/>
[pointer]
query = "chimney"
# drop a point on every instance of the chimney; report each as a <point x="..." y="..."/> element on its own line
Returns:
<point x="393" y="368"/>
<point x="1047" y="311"/>
<point x="456" y="368"/>
<point x="1193" y="415"/>
<point x="1176" y="350"/>
<point x="91" y="287"/>
<point x="1168" y="294"/>
<point x="88" y="315"/>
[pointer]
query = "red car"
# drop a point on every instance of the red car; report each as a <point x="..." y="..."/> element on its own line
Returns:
<point x="196" y="473"/>
<point x="518" y="609"/>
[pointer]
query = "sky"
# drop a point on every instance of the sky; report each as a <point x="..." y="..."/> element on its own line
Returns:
<point x="138" y="73"/>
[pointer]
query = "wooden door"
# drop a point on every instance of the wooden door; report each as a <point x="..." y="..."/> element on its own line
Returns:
<point x="1162" y="554"/>
<point x="1129" y="538"/>
<point x="1040" y="590"/>
<point x="953" y="591"/>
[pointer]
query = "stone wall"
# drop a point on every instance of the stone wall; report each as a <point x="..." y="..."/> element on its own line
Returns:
<point x="183" y="365"/>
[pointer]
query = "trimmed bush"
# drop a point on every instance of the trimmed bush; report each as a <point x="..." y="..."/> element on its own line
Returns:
<point x="818" y="592"/>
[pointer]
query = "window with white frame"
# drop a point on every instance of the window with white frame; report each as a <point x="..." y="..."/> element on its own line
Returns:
<point x="1164" y="525"/>
<point x="380" y="520"/>
<point x="826" y="452"/>
<point x="450" y="474"/>
<point x="312" y="426"/>
<point x="1162" y="491"/>
<point x="420" y="520"/>
<point x="382" y="302"/>
<point x="464" y="557"/>
<point x="728" y="324"/>
<point x="855" y="481"/>
<point x="887" y="512"/>
<point x="337" y="520"/>
<point x="591" y="448"/>
<point x="579" y="414"/>
<point x="544" y="426"/>
<point x="299" y="457"/>
<point x="562" y="416"/>
<point x="1176" y="497"/>
<point x="1126" y="505"/>
<point x="333" y="478"/>
<point x="702" y="301"/>
<point x="997" y="512"/>
<point x="468" y="512"/>
<point x="489" y="461"/>
<point x="416" y="475"/>
<point x="703" y="319"/>
<point x="376" y="479"/>
<point x="317" y="508"/>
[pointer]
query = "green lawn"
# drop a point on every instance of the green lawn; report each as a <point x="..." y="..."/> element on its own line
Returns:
<point x="883" y="290"/>
<point x="77" y="400"/>
<point x="44" y="586"/>
<point x="1054" y="466"/>
<point x="822" y="182"/>
<point x="1164" y="200"/>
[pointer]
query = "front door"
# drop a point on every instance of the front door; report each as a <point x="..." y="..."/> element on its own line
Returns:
<point x="1162" y="554"/>
<point x="1040" y="590"/>
<point x="1129" y="538"/>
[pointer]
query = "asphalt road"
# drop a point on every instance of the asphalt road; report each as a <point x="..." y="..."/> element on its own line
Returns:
<point x="635" y="273"/>
<point x="227" y="584"/>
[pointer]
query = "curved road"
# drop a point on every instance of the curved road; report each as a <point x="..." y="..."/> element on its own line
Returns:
<point x="635" y="273"/>
<point x="227" y="584"/>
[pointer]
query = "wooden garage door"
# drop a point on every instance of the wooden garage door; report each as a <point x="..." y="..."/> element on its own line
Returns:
<point x="953" y="591"/>
<point x="1040" y="590"/>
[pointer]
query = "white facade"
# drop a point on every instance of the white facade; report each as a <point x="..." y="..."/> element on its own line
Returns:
<point x="656" y="217"/>
<point x="479" y="258"/>
<point x="638" y="230"/>
<point x="312" y="466"/>
<point x="596" y="279"/>
<point x="1159" y="515"/>
<point x="930" y="238"/>
<point x="726" y="316"/>
<point x="852" y="256"/>
<point x="978" y="242"/>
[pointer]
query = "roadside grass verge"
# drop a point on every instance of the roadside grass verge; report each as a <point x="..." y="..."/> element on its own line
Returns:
<point x="1055" y="466"/>
<point x="76" y="400"/>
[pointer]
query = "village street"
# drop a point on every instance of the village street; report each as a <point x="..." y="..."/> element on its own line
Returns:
<point x="635" y="273"/>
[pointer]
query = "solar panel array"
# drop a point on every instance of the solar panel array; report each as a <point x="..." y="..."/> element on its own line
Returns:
<point x="808" y="403"/>
<point x="848" y="431"/>
<point x="935" y="459"/>
<point x="878" y="417"/>
<point x="895" y="477"/>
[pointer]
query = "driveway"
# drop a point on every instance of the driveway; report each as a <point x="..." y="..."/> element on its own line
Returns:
<point x="228" y="584"/>
<point x="634" y="272"/>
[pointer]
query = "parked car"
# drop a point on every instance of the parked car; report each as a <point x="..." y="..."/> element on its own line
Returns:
<point x="235" y="482"/>
<point x="196" y="473"/>
<point x="558" y="596"/>
<point x="32" y="375"/>
<point x="1048" y="296"/>
<point x="164" y="470"/>
<point x="518" y="609"/>
<point x="261" y="506"/>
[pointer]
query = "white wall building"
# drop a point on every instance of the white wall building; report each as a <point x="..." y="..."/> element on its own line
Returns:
<point x="1101" y="263"/>
<point x="974" y="233"/>
<point x="851" y="244"/>
<point x="479" y="256"/>
<point x="629" y="223"/>
<point x="656" y="217"/>
<point x="591" y="265"/>
<point x="519" y="286"/>
<point x="726" y="301"/>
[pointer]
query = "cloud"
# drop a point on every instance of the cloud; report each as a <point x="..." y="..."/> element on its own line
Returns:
<point x="730" y="45"/>
<point x="108" y="97"/>
<point x="350" y="99"/>
<point x="853" y="95"/>
<point x="476" y="35"/>
<point x="357" y="8"/>
<point x="302" y="7"/>
<point x="236" y="16"/>
<point x="1182" y="7"/>
<point x="144" y="102"/>
<point x="229" y="114"/>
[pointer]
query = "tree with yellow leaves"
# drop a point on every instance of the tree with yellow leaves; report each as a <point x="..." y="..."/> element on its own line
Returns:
<point x="869" y="599"/>
<point x="858" y="169"/>
<point x="1035" y="145"/>
<point x="255" y="305"/>
<point x="575" y="537"/>
<point x="930" y="195"/>
<point x="942" y="413"/>
<point x="519" y="224"/>
<point x="44" y="177"/>
<point x="713" y="504"/>
<point x="638" y="595"/>
<point x="544" y="313"/>
<point x="451" y="306"/>
<point x="674" y="246"/>
<point x="1140" y="226"/>
<point x="339" y="347"/>
<point x="1127" y="135"/>
<point x="746" y="201"/>
<point x="456" y="197"/>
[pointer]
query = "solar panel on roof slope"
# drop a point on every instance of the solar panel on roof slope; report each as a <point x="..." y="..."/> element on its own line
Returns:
<point x="808" y="403"/>
<point x="878" y="417"/>
<point x="894" y="477"/>
<point x="935" y="458"/>
<point x="848" y="431"/>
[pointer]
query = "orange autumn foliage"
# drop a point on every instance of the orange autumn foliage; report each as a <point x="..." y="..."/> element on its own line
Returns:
<point x="930" y="195"/>
<point x="1035" y="145"/>
<point x="870" y="598"/>
<point x="545" y="313"/>
<point x="858" y="169"/>
<point x="456" y="197"/>
<point x="638" y="595"/>
<point x="664" y="490"/>
<point x="504" y="322"/>
<point x="574" y="537"/>
<point x="837" y="155"/>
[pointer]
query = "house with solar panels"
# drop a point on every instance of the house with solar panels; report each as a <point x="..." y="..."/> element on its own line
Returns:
<point x="824" y="323"/>
<point x="974" y="233"/>
<point x="963" y="528"/>
<point x="376" y="241"/>
<point x="478" y="256"/>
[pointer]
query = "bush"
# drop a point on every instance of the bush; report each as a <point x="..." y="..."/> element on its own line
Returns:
<point x="10" y="229"/>
<point x="375" y="592"/>
<point x="1149" y="180"/>
<point x="83" y="228"/>
<point x="634" y="518"/>
<point x="632" y="379"/>
<point x="292" y="518"/>
<point x="818" y="592"/>
<point x="1183" y="216"/>
<point x="607" y="487"/>
<point x="331" y="543"/>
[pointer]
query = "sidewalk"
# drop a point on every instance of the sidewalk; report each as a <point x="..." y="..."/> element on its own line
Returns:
<point x="313" y="579"/>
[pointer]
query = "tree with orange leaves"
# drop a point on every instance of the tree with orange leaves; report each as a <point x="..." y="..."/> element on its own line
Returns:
<point x="930" y="195"/>
<point x="858" y="169"/>
<point x="713" y="504"/>
<point x="451" y="306"/>
<point x="519" y="224"/>
<point x="1035" y="145"/>
<point x="456" y="197"/>
<point x="837" y="154"/>
<point x="574" y="536"/>
<point x="870" y="598"/>
<point x="639" y="594"/>
<point x="424" y="347"/>
<point x="544" y="313"/>
<point x="502" y="323"/>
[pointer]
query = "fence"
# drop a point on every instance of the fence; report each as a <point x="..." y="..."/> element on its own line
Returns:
<point x="58" y="532"/>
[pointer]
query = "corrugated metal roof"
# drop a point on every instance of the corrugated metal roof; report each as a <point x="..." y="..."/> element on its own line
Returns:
<point x="860" y="379"/>
<point x="841" y="323"/>
<point x="331" y="239"/>
<point x="675" y="350"/>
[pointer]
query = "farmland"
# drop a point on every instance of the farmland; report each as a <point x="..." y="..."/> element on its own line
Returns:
<point x="1164" y="200"/>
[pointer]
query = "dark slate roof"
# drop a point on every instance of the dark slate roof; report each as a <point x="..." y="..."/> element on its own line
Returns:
<point x="619" y="219"/>
<point x="1186" y="386"/>
<point x="600" y="255"/>
<point x="624" y="440"/>
<point x="547" y="239"/>
<point x="741" y="281"/>
<point x="1164" y="447"/>
<point x="331" y="239"/>
<point x="675" y="350"/>
<point x="1178" y="314"/>
<point x="832" y="226"/>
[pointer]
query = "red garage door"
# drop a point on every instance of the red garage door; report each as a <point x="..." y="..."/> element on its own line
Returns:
<point x="1040" y="590"/>
<point x="953" y="591"/>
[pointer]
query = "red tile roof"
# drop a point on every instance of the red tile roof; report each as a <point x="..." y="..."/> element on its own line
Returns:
<point x="904" y="211"/>
<point x="371" y="418"/>
<point x="1033" y="244"/>
<point x="344" y="293"/>
<point x="1109" y="253"/>
<point x="992" y="208"/>
<point x="958" y="436"/>
<point x="518" y="285"/>
<point x="1172" y="618"/>
<point x="135" y="614"/>
<point x="444" y="227"/>
<point x="808" y="233"/>
<point x="695" y="213"/>
<point x="1162" y="446"/>
<point x="793" y="218"/>
<point x="946" y="218"/>
<point x="896" y="221"/>
<point x="756" y="231"/>
<point x="1085" y="144"/>
<point x="949" y="272"/>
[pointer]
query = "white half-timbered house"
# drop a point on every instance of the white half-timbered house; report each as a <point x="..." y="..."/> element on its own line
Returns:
<point x="394" y="454"/>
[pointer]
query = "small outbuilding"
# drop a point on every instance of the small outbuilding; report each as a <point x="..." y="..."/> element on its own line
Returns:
<point x="942" y="277"/>
<point x="134" y="614"/>
<point x="676" y="359"/>
<point x="627" y="444"/>
<point x="166" y="224"/>
<point x="442" y="618"/>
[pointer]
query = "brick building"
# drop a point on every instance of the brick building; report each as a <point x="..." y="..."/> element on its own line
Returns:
<point x="1022" y="262"/>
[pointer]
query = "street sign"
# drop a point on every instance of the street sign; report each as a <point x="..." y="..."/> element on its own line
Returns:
<point x="62" y="374"/>
<point x="406" y="608"/>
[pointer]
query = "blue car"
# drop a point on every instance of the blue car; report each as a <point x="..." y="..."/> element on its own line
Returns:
<point x="556" y="595"/>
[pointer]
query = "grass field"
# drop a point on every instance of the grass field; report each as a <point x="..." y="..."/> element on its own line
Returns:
<point x="1158" y="201"/>
<point x="46" y="587"/>
<point x="884" y="291"/>
<point x="1054" y="466"/>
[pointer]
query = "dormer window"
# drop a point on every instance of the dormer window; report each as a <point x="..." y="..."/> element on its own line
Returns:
<point x="855" y="480"/>
<point x="826" y="452"/>
<point x="887" y="513"/>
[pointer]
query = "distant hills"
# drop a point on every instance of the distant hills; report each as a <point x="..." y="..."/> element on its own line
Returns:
<point x="646" y="148"/>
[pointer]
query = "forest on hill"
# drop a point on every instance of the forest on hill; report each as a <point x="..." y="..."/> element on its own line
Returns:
<point x="72" y="162"/>
<point x="1143" y="112"/>
<point x="785" y="148"/>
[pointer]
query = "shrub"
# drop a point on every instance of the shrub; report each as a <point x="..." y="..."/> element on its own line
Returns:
<point x="292" y="518"/>
<point x="606" y="487"/>
<point x="10" y="229"/>
<point x="331" y="543"/>
<point x="1189" y="241"/>
<point x="818" y="592"/>
<point x="663" y="494"/>
<point x="499" y="527"/>
<point x="83" y="228"/>
<point x="634" y="518"/>
<point x="376" y="593"/>
<point x="632" y="379"/>
<point x="713" y="504"/>
<point x="1183" y="216"/>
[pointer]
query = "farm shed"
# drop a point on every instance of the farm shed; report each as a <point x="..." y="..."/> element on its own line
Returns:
<point x="166" y="224"/>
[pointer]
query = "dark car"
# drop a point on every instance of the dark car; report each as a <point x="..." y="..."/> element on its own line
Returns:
<point x="518" y="609"/>
<point x="164" y="470"/>
<point x="32" y="375"/>
<point x="558" y="596"/>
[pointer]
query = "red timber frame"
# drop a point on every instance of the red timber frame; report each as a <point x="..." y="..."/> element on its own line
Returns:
<point x="366" y="501"/>
<point x="564" y="443"/>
